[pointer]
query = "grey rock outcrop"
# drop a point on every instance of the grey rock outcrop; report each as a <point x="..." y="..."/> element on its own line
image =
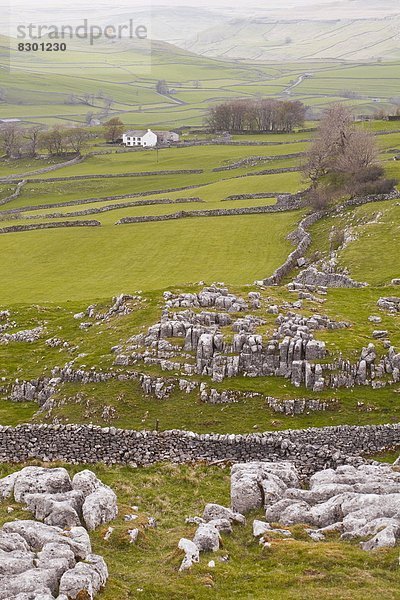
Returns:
<point x="89" y="576"/>
<point x="35" y="557"/>
<point x="311" y="276"/>
<point x="251" y="482"/>
<point x="360" y="501"/>
<point x="27" y="335"/>
<point x="45" y="558"/>
<point x="99" y="507"/>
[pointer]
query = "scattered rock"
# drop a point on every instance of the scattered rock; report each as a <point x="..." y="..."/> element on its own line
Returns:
<point x="207" y="538"/>
<point x="191" y="551"/>
<point x="260" y="527"/>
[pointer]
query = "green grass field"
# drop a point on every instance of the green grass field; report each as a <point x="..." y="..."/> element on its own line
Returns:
<point x="91" y="263"/>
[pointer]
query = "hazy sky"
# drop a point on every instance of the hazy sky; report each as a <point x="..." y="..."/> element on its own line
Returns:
<point x="331" y="6"/>
<point x="54" y="5"/>
<point x="16" y="12"/>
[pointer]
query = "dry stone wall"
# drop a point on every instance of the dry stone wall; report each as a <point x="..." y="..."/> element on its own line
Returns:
<point x="148" y="202"/>
<point x="218" y="212"/>
<point x="114" y="175"/>
<point x="76" y="160"/>
<point x="109" y="207"/>
<point x="15" y="195"/>
<point x="310" y="449"/>
<point x="54" y="225"/>
<point x="303" y="239"/>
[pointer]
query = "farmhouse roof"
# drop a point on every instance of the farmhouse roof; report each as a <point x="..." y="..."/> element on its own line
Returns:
<point x="137" y="132"/>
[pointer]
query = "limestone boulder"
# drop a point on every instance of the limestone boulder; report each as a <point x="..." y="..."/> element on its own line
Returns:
<point x="15" y="562"/>
<point x="216" y="511"/>
<point x="87" y="577"/>
<point x="39" y="480"/>
<point x="260" y="527"/>
<point x="99" y="507"/>
<point x="255" y="483"/>
<point x="12" y="541"/>
<point x="62" y="510"/>
<point x="39" y="581"/>
<point x="222" y="525"/>
<point x="7" y="485"/>
<point x="207" y="538"/>
<point x="86" y="482"/>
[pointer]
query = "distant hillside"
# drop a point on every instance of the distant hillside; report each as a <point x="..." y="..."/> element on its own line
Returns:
<point x="354" y="30"/>
<point x="280" y="40"/>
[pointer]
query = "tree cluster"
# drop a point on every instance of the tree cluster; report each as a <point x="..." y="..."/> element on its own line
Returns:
<point x="162" y="87"/>
<point x="17" y="141"/>
<point x="343" y="160"/>
<point x="262" y="115"/>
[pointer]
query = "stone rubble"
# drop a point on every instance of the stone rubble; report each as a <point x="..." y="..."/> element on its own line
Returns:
<point x="391" y="304"/>
<point x="216" y="519"/>
<point x="311" y="276"/>
<point x="27" y="335"/>
<point x="122" y="305"/>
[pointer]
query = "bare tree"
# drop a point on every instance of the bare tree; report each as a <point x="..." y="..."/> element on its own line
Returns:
<point x="162" y="87"/>
<point x="359" y="153"/>
<point x="76" y="138"/>
<point x="88" y="99"/>
<point x="72" y="99"/>
<point x="343" y="159"/>
<point x="10" y="139"/>
<point x="32" y="134"/>
<point x="319" y="199"/>
<point x="290" y="114"/>
<point x="108" y="102"/>
<point x="334" y="132"/>
<point x="317" y="163"/>
<point x="113" y="129"/>
<point x="53" y="140"/>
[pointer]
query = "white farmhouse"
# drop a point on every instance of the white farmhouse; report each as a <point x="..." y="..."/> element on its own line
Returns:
<point x="146" y="139"/>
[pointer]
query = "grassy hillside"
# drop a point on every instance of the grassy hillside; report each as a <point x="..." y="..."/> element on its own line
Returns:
<point x="61" y="271"/>
<point x="50" y="275"/>
<point x="376" y="240"/>
<point x="297" y="39"/>
<point x="49" y="89"/>
<point x="236" y="249"/>
<point x="292" y="569"/>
